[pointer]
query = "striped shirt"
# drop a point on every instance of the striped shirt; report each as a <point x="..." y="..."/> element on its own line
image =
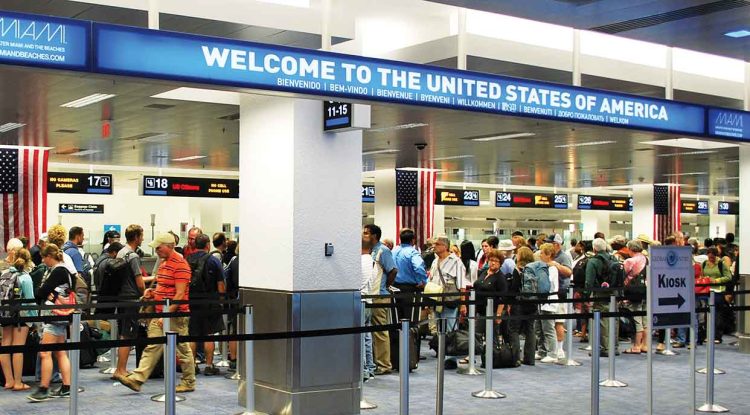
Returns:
<point x="173" y="270"/>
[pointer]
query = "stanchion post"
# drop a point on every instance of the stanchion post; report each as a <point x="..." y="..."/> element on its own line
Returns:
<point x="75" y="355"/>
<point x="489" y="348"/>
<point x="710" y="335"/>
<point x="709" y="405"/>
<point x="113" y="334"/>
<point x="249" y="367"/>
<point x="569" y="361"/>
<point x="440" y="381"/>
<point x="403" y="364"/>
<point x="693" y="346"/>
<point x="164" y="397"/>
<point x="668" y="344"/>
<point x="363" y="403"/>
<point x="224" y="346"/>
<point x="472" y="369"/>
<point x="611" y="381"/>
<point x="595" y="353"/>
<point x="170" y="372"/>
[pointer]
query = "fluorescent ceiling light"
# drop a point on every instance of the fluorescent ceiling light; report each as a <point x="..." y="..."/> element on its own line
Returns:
<point x="623" y="49"/>
<point x="738" y="33"/>
<point x="710" y="66"/>
<point x="419" y="169"/>
<point x="465" y="156"/>
<point x="695" y="173"/>
<point x="684" y="142"/>
<point x="452" y="172"/>
<point x="728" y="178"/>
<point x="733" y="161"/>
<point x="201" y="95"/>
<point x="91" y="99"/>
<point x="84" y="153"/>
<point x="617" y="168"/>
<point x="586" y="144"/>
<point x="10" y="126"/>
<point x="398" y="127"/>
<point x="503" y="136"/>
<point x="514" y="29"/>
<point x="687" y="153"/>
<point x="293" y="3"/>
<point x="386" y="151"/>
<point x="189" y="158"/>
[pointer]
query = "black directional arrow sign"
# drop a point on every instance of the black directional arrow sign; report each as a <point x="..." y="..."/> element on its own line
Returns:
<point x="667" y="301"/>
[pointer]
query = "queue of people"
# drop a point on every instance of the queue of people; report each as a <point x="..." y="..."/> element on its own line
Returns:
<point x="55" y="271"/>
<point x="511" y="270"/>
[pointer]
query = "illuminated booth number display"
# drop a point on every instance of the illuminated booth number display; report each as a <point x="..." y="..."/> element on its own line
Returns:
<point x="190" y="187"/>
<point x="531" y="200"/>
<point x="336" y="115"/>
<point x="586" y="202"/>
<point x="79" y="183"/>
<point x="729" y="208"/>
<point x="690" y="206"/>
<point x="457" y="197"/>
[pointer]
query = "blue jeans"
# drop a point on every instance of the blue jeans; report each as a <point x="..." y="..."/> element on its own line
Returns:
<point x="370" y="367"/>
<point x="450" y="315"/>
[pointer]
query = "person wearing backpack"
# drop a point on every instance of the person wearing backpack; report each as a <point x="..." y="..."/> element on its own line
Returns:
<point x="541" y="277"/>
<point x="603" y="274"/>
<point x="57" y="288"/>
<point x="15" y="286"/>
<point x="206" y="282"/>
<point x="635" y="292"/>
<point x="524" y="256"/>
<point x="715" y="269"/>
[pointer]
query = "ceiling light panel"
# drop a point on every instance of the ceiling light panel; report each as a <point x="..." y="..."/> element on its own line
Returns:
<point x="188" y="158"/>
<point x="398" y="127"/>
<point x="88" y="100"/>
<point x="738" y="33"/>
<point x="211" y="96"/>
<point x="507" y="136"/>
<point x="386" y="151"/>
<point x="695" y="173"/>
<point x="10" y="126"/>
<point x="82" y="153"/>
<point x="465" y="156"/>
<point x="687" y="153"/>
<point x="586" y="144"/>
<point x="691" y="143"/>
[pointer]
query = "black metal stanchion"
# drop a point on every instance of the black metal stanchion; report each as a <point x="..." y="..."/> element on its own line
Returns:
<point x="595" y="353"/>
<point x="488" y="392"/>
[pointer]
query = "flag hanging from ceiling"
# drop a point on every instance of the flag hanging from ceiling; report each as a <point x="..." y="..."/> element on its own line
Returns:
<point x="23" y="187"/>
<point x="666" y="211"/>
<point x="415" y="202"/>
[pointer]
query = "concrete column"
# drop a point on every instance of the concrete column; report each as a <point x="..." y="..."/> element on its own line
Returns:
<point x="325" y="25"/>
<point x="461" y="39"/>
<point x="595" y="221"/>
<point x="744" y="234"/>
<point x="669" y="76"/>
<point x="719" y="225"/>
<point x="643" y="210"/>
<point x="438" y="224"/>
<point x="153" y="14"/>
<point x="385" y="202"/>
<point x="576" y="57"/>
<point x="300" y="190"/>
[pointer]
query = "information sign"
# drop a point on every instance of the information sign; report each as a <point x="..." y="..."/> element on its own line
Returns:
<point x="531" y="200"/>
<point x="671" y="286"/>
<point x="80" y="208"/>
<point x="694" y="206"/>
<point x="336" y="115"/>
<point x="368" y="193"/>
<point x="190" y="187"/>
<point x="588" y="202"/>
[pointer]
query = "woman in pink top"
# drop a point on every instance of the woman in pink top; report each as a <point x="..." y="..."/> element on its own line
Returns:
<point x="635" y="290"/>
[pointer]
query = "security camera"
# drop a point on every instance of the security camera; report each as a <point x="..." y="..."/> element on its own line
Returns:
<point x="420" y="146"/>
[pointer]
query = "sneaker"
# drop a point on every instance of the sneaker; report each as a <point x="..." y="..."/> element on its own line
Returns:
<point x="537" y="356"/>
<point x="184" y="389"/>
<point x="561" y="355"/>
<point x="40" y="395"/>
<point x="548" y="359"/>
<point x="451" y="364"/>
<point x="379" y="372"/>
<point x="197" y="369"/>
<point x="232" y="366"/>
<point x="130" y="383"/>
<point x="211" y="371"/>
<point x="60" y="393"/>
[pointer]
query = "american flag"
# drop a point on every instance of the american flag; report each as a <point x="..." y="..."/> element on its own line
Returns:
<point x="415" y="202"/>
<point x="666" y="211"/>
<point x="23" y="185"/>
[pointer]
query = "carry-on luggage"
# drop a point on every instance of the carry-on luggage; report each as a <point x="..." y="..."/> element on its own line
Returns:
<point x="502" y="356"/>
<point x="414" y="340"/>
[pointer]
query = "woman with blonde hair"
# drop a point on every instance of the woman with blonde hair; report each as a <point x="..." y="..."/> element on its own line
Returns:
<point x="15" y="334"/>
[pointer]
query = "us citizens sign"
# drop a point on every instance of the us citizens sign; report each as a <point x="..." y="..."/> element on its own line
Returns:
<point x="671" y="286"/>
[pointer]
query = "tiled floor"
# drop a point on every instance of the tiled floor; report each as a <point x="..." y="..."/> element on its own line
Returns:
<point x="530" y="390"/>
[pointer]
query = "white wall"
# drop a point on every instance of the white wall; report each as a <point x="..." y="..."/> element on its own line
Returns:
<point x="125" y="206"/>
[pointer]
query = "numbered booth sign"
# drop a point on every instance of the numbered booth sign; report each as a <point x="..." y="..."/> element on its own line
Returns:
<point x="190" y="187"/>
<point x="452" y="197"/>
<point x="79" y="183"/>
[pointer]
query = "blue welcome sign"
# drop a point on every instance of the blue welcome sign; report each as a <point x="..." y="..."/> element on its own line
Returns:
<point x="166" y="55"/>
<point x="44" y="41"/>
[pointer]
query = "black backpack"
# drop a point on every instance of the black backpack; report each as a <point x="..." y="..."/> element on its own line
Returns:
<point x="579" y="272"/>
<point x="199" y="271"/>
<point x="10" y="293"/>
<point x="612" y="274"/>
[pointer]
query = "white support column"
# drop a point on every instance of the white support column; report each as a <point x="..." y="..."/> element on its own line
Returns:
<point x="719" y="225"/>
<point x="153" y="14"/>
<point x="744" y="234"/>
<point x="643" y="210"/>
<point x="385" y="202"/>
<point x="669" y="76"/>
<point x="461" y="40"/>
<point x="438" y="224"/>
<point x="576" y="57"/>
<point x="595" y="221"/>
<point x="325" y="25"/>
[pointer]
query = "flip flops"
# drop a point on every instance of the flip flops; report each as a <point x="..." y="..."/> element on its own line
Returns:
<point x="24" y="387"/>
<point x="629" y="351"/>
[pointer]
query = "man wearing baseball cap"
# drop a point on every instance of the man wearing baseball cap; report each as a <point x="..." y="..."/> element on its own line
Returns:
<point x="564" y="264"/>
<point x="173" y="282"/>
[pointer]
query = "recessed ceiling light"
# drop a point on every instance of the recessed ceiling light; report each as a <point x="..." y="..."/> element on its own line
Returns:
<point x="386" y="151"/>
<point x="91" y="99"/>
<point x="10" y="126"/>
<point x="189" y="158"/>
<point x="82" y="153"/>
<point x="685" y="142"/>
<point x="398" y="127"/>
<point x="502" y="136"/>
<point x="212" y="96"/>
<point x="452" y="172"/>
<point x="728" y="178"/>
<point x="733" y="161"/>
<point x="738" y="33"/>
<point x="695" y="173"/>
<point x="617" y="168"/>
<point x="465" y="156"/>
<point x="687" y="153"/>
<point x="586" y="144"/>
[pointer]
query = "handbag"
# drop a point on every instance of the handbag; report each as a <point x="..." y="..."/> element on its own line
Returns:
<point x="449" y="288"/>
<point x="69" y="298"/>
<point x="702" y="289"/>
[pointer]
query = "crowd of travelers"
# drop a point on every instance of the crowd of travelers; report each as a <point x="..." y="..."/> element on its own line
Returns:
<point x="57" y="271"/>
<point x="519" y="273"/>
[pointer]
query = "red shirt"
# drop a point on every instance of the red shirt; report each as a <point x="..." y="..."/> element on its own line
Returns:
<point x="187" y="251"/>
<point x="172" y="270"/>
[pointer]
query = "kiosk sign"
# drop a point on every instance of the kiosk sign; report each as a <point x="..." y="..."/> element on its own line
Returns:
<point x="671" y="286"/>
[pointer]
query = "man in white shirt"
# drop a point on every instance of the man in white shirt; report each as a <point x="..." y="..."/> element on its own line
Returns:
<point x="368" y="288"/>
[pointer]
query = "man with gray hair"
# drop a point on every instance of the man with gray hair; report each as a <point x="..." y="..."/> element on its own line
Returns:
<point x="597" y="274"/>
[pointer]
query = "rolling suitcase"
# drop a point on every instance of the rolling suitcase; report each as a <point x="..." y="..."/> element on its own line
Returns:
<point x="414" y="339"/>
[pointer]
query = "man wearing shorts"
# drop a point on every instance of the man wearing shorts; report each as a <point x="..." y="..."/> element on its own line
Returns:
<point x="132" y="288"/>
